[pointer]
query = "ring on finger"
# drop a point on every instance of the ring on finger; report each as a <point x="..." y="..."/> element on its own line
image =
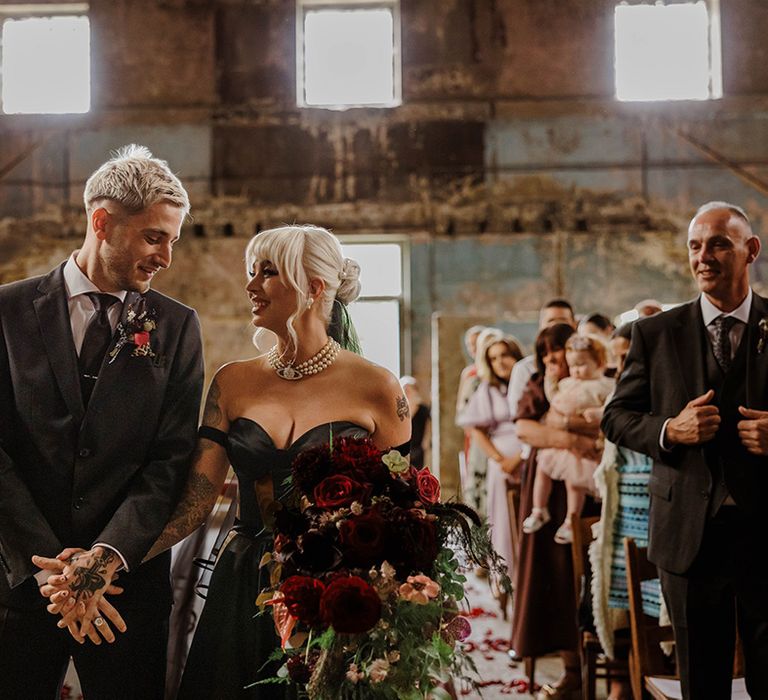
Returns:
<point x="98" y="621"/>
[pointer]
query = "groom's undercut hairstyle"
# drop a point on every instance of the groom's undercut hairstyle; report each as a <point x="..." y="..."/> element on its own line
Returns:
<point x="735" y="209"/>
<point x="136" y="180"/>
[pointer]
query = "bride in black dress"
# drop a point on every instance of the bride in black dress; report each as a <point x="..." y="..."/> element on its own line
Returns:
<point x="259" y="414"/>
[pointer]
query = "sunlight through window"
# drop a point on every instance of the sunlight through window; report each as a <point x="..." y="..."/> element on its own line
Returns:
<point x="667" y="52"/>
<point x="377" y="313"/>
<point x="350" y="57"/>
<point x="46" y="65"/>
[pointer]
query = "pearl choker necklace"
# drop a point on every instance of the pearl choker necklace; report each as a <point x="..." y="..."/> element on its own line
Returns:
<point x="323" y="359"/>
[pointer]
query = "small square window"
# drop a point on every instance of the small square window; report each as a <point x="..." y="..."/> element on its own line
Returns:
<point x="46" y="65"/>
<point x="378" y="312"/>
<point x="348" y="54"/>
<point x="668" y="52"/>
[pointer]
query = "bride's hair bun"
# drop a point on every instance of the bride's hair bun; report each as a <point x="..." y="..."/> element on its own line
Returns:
<point x="349" y="287"/>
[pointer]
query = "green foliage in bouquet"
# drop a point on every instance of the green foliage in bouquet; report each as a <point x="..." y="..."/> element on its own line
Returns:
<point x="366" y="577"/>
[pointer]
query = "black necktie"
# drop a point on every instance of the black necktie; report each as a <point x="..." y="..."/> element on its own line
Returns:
<point x="96" y="341"/>
<point x="721" y="343"/>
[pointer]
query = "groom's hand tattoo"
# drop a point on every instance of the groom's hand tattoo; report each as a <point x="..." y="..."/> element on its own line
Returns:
<point x="402" y="408"/>
<point x="85" y="581"/>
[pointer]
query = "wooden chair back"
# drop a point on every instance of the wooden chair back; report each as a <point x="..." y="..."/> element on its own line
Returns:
<point x="647" y="657"/>
<point x="582" y="537"/>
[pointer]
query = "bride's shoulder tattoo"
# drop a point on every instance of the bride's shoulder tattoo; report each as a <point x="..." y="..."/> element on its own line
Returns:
<point x="212" y="413"/>
<point x="402" y="408"/>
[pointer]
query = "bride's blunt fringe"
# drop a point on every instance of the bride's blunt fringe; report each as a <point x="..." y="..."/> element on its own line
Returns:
<point x="300" y="254"/>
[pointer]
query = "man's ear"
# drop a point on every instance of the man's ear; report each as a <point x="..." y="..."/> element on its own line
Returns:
<point x="753" y="245"/>
<point x="100" y="222"/>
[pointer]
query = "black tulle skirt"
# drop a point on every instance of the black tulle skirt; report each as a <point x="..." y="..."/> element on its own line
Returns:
<point x="232" y="642"/>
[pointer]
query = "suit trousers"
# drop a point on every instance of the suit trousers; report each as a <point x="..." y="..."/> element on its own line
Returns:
<point x="725" y="588"/>
<point x="34" y="655"/>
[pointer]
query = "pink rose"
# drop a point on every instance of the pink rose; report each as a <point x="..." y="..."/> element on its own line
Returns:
<point x="428" y="486"/>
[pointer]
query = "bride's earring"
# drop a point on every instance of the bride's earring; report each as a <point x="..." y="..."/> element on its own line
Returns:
<point x="310" y="302"/>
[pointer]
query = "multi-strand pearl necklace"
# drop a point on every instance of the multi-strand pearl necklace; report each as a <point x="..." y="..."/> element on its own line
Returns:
<point x="317" y="363"/>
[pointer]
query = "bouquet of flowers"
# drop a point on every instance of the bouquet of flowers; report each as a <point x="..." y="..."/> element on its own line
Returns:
<point x="366" y="583"/>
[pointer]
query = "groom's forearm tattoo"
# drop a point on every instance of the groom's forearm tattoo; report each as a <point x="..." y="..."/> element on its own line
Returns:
<point x="199" y="497"/>
<point x="85" y="581"/>
<point x="212" y="414"/>
<point x="402" y="408"/>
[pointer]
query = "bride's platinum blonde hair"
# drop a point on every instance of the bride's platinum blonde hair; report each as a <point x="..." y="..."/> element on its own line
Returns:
<point x="302" y="253"/>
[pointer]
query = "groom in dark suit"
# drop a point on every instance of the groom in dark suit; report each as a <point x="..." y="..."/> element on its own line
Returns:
<point x="693" y="396"/>
<point x="100" y="384"/>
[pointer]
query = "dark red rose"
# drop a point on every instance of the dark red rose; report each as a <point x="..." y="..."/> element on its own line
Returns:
<point x="428" y="486"/>
<point x="316" y="552"/>
<point x="360" y="459"/>
<point x="350" y="605"/>
<point x="339" y="490"/>
<point x="364" y="538"/>
<point x="290" y="521"/>
<point x="413" y="544"/>
<point x="298" y="671"/>
<point x="310" y="467"/>
<point x="302" y="598"/>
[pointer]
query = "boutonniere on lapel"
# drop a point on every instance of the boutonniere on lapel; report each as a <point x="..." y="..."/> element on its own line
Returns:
<point x="762" y="335"/>
<point x="136" y="329"/>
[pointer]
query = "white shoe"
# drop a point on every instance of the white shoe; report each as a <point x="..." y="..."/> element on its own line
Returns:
<point x="538" y="518"/>
<point x="564" y="534"/>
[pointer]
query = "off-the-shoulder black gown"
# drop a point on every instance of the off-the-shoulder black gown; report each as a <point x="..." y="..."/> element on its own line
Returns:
<point x="231" y="642"/>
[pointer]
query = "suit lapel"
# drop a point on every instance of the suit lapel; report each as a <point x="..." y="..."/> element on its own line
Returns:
<point x="757" y="363"/>
<point x="689" y="349"/>
<point x="56" y="330"/>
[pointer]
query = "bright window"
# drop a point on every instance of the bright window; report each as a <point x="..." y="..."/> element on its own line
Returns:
<point x="348" y="53"/>
<point x="377" y="313"/>
<point x="668" y="52"/>
<point x="45" y="64"/>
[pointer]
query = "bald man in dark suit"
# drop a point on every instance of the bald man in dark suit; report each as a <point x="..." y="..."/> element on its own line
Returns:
<point x="693" y="396"/>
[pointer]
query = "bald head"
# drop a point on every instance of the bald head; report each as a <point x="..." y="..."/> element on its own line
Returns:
<point x="721" y="246"/>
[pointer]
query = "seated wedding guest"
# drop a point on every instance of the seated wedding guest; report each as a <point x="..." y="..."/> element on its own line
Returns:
<point x="622" y="481"/>
<point x="472" y="458"/>
<point x="544" y="618"/>
<point x="648" y="307"/>
<point x="419" y="420"/>
<point x="596" y="324"/>
<point x="487" y="415"/>
<point x="575" y="396"/>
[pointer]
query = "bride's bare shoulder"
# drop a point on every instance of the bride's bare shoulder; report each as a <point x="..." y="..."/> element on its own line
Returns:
<point x="374" y="378"/>
<point x="238" y="373"/>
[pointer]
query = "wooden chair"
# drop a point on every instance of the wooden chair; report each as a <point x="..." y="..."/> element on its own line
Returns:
<point x="649" y="668"/>
<point x="594" y="664"/>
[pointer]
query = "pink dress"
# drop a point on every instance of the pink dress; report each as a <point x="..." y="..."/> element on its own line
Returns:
<point x="573" y="397"/>
<point x="488" y="408"/>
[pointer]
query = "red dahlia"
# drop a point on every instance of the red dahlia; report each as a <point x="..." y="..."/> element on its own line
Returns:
<point x="350" y="605"/>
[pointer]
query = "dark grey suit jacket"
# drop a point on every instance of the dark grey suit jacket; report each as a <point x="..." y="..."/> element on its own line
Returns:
<point x="112" y="473"/>
<point x="665" y="369"/>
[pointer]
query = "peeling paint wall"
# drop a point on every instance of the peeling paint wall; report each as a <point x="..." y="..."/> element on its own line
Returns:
<point x="510" y="167"/>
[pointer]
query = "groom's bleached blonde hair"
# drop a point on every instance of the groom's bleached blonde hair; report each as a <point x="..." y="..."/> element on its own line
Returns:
<point x="136" y="180"/>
